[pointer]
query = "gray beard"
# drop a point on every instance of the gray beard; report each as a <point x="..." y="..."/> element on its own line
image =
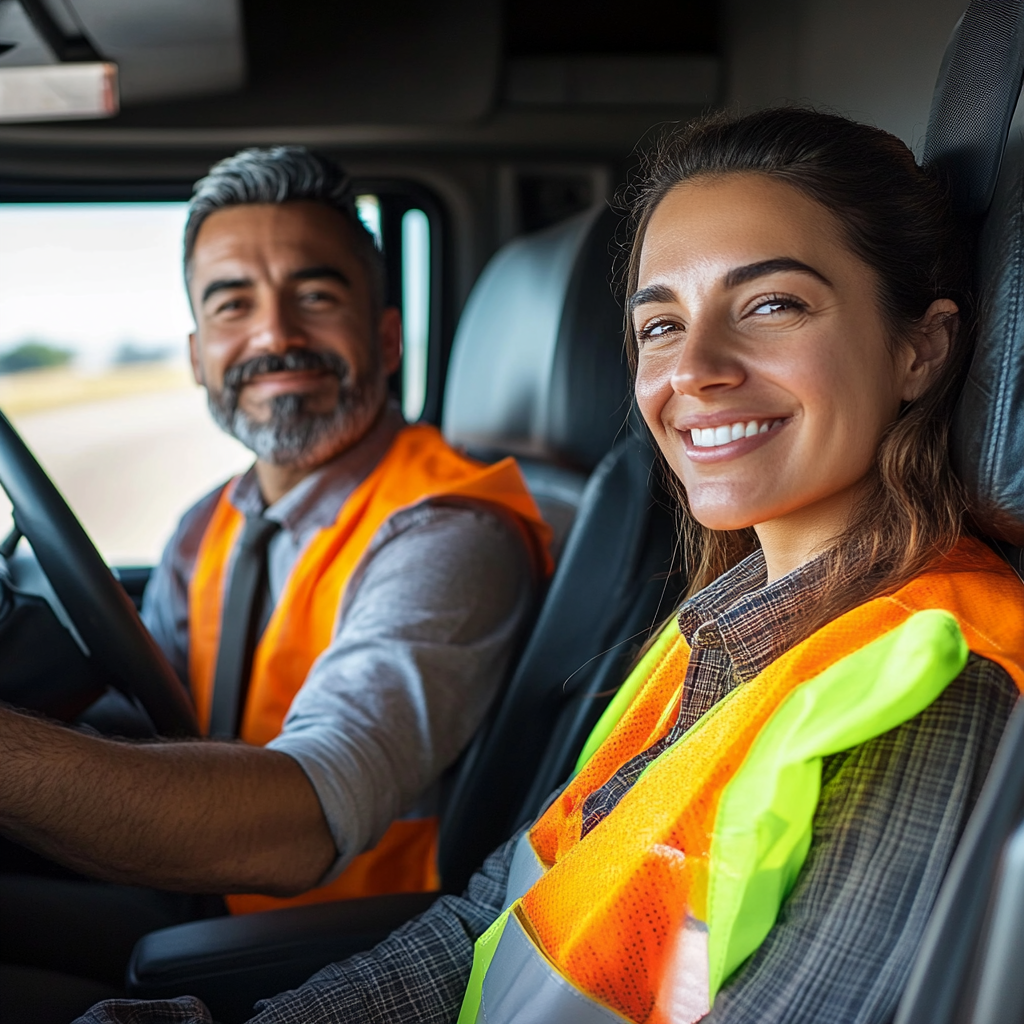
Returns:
<point x="294" y="437"/>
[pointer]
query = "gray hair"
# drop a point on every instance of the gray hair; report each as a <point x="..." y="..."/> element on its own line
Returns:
<point x="283" y="174"/>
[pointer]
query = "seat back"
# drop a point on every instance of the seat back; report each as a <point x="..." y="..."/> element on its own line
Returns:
<point x="966" y="968"/>
<point x="564" y="407"/>
<point x="613" y="584"/>
<point x="538" y="371"/>
<point x="537" y="368"/>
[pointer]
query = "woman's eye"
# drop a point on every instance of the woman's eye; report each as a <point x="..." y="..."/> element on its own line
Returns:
<point x="654" y="331"/>
<point x="776" y="305"/>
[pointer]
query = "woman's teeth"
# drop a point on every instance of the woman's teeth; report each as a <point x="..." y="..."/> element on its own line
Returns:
<point x="713" y="437"/>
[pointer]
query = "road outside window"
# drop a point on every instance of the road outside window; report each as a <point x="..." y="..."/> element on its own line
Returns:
<point x="94" y="370"/>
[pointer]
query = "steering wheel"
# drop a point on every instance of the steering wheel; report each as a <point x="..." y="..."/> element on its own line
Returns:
<point x="98" y="605"/>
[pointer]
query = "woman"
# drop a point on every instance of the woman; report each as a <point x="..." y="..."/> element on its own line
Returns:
<point x="761" y="821"/>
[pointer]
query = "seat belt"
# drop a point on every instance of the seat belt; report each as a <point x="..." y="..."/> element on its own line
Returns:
<point x="240" y="623"/>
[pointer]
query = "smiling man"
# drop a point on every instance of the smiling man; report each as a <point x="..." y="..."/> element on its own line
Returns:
<point x="346" y="608"/>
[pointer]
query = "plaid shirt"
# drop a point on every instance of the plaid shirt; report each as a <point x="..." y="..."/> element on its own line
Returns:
<point x="890" y="815"/>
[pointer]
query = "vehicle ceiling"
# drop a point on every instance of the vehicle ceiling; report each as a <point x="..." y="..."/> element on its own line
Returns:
<point x="460" y="95"/>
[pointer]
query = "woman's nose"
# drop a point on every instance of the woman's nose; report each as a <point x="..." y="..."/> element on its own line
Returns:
<point x="706" y="362"/>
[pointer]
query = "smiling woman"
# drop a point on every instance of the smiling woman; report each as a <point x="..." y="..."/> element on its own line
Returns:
<point x="825" y="305"/>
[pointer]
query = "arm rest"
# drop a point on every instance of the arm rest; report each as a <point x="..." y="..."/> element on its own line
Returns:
<point x="230" y="962"/>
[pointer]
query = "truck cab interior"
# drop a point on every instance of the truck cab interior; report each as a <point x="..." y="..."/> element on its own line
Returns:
<point x="488" y="142"/>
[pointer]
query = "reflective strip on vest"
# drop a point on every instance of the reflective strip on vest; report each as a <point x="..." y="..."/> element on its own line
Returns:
<point x="726" y="903"/>
<point x="418" y="466"/>
<point x="522" y="986"/>
<point x="524" y="872"/>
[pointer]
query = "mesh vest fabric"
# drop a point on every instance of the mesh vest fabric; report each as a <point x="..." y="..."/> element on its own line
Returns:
<point x="613" y="911"/>
<point x="418" y="466"/>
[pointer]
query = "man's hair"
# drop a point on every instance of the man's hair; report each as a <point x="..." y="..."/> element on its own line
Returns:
<point x="283" y="174"/>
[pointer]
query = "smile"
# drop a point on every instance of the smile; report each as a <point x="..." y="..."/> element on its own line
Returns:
<point x="715" y="437"/>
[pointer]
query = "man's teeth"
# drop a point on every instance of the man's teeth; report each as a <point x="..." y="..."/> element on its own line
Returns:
<point x="713" y="437"/>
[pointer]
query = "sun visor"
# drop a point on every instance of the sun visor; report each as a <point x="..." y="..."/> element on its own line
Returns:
<point x="84" y="58"/>
<point x="58" y="92"/>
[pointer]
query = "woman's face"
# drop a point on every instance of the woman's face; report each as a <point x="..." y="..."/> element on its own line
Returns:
<point x="764" y="370"/>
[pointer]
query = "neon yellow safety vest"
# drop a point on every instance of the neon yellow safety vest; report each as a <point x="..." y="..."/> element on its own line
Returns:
<point x="646" y="917"/>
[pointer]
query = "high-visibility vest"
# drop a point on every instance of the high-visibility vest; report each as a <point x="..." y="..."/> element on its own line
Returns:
<point x="644" y="918"/>
<point x="418" y="466"/>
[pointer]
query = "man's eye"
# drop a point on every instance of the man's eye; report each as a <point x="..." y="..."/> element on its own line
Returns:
<point x="314" y="298"/>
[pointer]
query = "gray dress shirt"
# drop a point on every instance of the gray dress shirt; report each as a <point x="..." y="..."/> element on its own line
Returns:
<point x="424" y="634"/>
<point x="888" y="820"/>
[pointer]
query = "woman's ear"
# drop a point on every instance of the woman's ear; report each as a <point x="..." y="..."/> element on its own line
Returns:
<point x="929" y="345"/>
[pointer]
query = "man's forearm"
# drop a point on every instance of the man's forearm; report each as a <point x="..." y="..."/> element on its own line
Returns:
<point x="198" y="816"/>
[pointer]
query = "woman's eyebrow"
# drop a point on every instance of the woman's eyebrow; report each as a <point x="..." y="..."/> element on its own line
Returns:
<point x="652" y="293"/>
<point x="741" y="275"/>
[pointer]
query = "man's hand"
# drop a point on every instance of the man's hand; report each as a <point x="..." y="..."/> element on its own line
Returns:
<point x="195" y="816"/>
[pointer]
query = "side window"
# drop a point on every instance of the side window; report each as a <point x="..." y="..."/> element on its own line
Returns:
<point x="94" y="368"/>
<point x="415" y="311"/>
<point x="408" y="228"/>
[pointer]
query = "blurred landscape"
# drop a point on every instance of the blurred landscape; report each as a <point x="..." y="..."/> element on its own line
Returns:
<point x="130" y="447"/>
<point x="93" y="368"/>
<point x="35" y="387"/>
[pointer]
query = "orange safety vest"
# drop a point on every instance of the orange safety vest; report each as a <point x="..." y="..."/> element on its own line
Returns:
<point x="418" y="466"/>
<point x="617" y="913"/>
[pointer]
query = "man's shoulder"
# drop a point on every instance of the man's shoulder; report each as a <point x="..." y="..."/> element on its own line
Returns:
<point x="183" y="546"/>
<point x="453" y="519"/>
<point x="199" y="514"/>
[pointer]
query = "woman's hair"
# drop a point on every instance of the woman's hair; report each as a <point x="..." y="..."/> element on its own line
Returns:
<point x="896" y="217"/>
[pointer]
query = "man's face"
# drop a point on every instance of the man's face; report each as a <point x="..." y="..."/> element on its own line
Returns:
<point x="288" y="344"/>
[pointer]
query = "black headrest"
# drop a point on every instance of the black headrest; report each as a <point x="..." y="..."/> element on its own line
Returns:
<point x="537" y="366"/>
<point x="988" y="429"/>
<point x="975" y="96"/>
<point x="974" y="102"/>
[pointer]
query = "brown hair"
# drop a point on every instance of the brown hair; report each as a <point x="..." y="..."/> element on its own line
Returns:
<point x="897" y="218"/>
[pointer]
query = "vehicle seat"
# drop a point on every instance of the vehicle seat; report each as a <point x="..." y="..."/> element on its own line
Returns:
<point x="537" y="367"/>
<point x="968" y="966"/>
<point x="537" y="371"/>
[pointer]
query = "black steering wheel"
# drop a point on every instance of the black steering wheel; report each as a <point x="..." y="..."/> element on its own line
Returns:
<point x="98" y="605"/>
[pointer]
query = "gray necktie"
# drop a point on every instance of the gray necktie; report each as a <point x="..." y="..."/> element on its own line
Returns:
<point x="240" y="626"/>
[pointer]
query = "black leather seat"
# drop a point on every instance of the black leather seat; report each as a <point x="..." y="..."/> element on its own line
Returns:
<point x="969" y="964"/>
<point x="537" y="367"/>
<point x="537" y="371"/>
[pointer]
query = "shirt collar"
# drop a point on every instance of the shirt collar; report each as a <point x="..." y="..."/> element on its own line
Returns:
<point x="313" y="503"/>
<point x="753" y="620"/>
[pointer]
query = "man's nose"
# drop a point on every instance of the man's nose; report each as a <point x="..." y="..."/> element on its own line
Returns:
<point x="274" y="328"/>
<point x="706" y="362"/>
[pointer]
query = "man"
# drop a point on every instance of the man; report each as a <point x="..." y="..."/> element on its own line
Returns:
<point x="347" y="607"/>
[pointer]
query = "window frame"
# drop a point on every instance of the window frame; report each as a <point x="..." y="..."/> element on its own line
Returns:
<point x="396" y="196"/>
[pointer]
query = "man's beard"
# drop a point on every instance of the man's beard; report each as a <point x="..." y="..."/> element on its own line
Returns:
<point x="292" y="435"/>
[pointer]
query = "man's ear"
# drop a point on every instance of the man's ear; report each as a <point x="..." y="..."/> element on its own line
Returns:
<point x="929" y="346"/>
<point x="193" y="357"/>
<point x="389" y="335"/>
